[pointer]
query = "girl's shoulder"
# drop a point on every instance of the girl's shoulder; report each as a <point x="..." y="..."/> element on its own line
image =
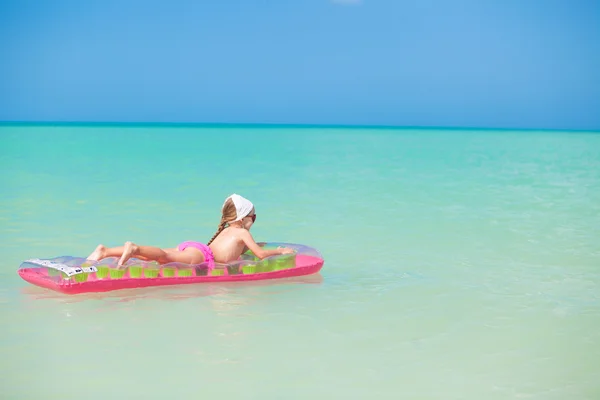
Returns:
<point x="233" y="231"/>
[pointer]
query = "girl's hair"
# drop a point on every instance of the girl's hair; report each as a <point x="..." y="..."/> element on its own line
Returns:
<point x="228" y="214"/>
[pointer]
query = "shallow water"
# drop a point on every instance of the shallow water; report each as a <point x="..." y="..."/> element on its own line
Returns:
<point x="458" y="264"/>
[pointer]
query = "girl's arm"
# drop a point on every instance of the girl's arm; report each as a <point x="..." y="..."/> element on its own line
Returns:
<point x="259" y="251"/>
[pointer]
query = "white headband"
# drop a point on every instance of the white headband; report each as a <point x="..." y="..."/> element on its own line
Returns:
<point x="242" y="206"/>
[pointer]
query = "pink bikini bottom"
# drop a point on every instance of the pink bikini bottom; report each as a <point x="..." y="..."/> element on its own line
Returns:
<point x="208" y="254"/>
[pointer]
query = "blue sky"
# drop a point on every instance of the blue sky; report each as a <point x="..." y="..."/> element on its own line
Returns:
<point x="475" y="63"/>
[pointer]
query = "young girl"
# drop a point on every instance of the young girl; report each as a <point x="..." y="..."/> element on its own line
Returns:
<point x="228" y="243"/>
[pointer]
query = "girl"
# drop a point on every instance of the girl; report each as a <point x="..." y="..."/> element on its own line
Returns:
<point x="227" y="244"/>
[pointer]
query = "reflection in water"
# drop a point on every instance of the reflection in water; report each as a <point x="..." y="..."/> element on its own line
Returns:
<point x="176" y="292"/>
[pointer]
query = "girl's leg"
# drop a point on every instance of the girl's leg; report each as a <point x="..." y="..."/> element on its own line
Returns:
<point x="148" y="253"/>
<point x="143" y="252"/>
<point x="163" y="256"/>
<point x="104" y="252"/>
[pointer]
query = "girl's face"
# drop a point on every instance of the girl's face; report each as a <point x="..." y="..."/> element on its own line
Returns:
<point x="249" y="219"/>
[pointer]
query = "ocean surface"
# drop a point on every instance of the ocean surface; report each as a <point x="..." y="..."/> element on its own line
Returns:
<point x="458" y="264"/>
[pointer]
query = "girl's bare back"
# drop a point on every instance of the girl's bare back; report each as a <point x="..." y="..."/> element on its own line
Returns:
<point x="229" y="244"/>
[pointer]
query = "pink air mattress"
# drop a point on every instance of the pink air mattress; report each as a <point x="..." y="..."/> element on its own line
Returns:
<point x="74" y="275"/>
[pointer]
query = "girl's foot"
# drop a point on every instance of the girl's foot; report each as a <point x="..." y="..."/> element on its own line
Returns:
<point x="97" y="254"/>
<point x="129" y="250"/>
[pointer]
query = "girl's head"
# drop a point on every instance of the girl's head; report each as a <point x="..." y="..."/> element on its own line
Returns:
<point x="238" y="211"/>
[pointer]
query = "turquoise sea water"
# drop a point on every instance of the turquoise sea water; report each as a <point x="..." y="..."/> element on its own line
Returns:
<point x="458" y="264"/>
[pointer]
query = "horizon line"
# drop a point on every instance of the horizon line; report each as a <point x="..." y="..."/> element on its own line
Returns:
<point x="279" y="125"/>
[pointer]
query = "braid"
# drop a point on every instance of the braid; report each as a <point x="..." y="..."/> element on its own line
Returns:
<point x="228" y="214"/>
<point x="221" y="227"/>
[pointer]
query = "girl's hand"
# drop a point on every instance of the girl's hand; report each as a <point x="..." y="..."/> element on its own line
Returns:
<point x="285" y="250"/>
